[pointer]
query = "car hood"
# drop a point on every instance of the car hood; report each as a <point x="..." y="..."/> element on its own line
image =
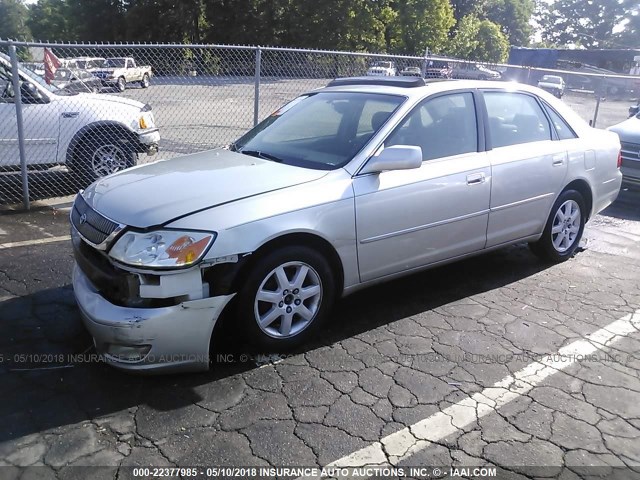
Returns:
<point x="628" y="131"/>
<point x="102" y="100"/>
<point x="156" y="193"/>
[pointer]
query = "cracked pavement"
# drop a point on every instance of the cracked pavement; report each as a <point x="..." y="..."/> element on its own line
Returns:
<point x="393" y="364"/>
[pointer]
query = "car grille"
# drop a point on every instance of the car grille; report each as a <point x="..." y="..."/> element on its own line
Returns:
<point x="630" y="152"/>
<point x="89" y="223"/>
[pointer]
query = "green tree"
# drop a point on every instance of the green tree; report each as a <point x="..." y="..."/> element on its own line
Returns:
<point x="513" y="17"/>
<point x="493" y="45"/>
<point x="420" y="24"/>
<point x="13" y="20"/>
<point x="49" y="20"/>
<point x="464" y="8"/>
<point x="586" y="23"/>
<point x="164" y="21"/>
<point x="480" y="40"/>
<point x="464" y="42"/>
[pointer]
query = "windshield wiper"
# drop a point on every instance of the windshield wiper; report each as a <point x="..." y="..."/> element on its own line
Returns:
<point x="263" y="155"/>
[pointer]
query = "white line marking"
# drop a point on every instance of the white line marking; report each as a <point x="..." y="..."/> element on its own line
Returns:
<point x="39" y="241"/>
<point x="401" y="445"/>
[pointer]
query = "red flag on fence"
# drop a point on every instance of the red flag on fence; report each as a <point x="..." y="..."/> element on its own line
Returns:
<point x="51" y="64"/>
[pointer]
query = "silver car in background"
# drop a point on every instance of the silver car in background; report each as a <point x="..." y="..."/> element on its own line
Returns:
<point x="358" y="183"/>
<point x="629" y="133"/>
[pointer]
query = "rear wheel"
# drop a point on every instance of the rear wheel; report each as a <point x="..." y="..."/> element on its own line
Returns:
<point x="564" y="228"/>
<point x="285" y="298"/>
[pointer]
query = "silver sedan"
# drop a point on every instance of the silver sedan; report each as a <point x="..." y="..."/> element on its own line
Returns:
<point x="358" y="183"/>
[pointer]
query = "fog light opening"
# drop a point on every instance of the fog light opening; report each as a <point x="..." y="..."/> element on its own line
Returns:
<point x="127" y="353"/>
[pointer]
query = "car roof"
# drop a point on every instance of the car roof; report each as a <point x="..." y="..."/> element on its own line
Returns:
<point x="390" y="86"/>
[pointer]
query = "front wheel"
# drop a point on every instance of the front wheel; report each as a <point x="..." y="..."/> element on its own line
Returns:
<point x="102" y="156"/>
<point x="285" y="298"/>
<point x="564" y="228"/>
<point x="144" y="83"/>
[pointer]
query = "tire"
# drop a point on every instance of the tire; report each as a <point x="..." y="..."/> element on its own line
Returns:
<point x="102" y="155"/>
<point x="273" y="277"/>
<point x="144" y="83"/>
<point x="560" y="240"/>
<point x="121" y="84"/>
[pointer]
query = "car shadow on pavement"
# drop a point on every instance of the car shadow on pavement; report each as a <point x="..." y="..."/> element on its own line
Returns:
<point x="42" y="185"/>
<point x="626" y="206"/>
<point x="51" y="376"/>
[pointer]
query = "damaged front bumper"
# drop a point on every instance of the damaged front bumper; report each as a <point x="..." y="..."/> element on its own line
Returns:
<point x="163" y="339"/>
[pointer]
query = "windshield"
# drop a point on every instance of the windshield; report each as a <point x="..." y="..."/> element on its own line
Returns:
<point x="382" y="64"/>
<point x="115" y="62"/>
<point x="26" y="74"/>
<point x="321" y="131"/>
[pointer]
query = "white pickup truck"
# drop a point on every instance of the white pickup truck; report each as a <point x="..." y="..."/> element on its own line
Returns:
<point x="92" y="135"/>
<point x="118" y="71"/>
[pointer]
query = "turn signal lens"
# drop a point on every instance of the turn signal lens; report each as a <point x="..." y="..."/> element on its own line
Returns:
<point x="142" y="123"/>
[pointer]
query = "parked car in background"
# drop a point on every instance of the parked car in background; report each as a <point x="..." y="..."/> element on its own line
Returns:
<point x="35" y="67"/>
<point x="411" y="72"/>
<point x="553" y="84"/>
<point x="474" y="71"/>
<point x="629" y="133"/>
<point x="93" y="135"/>
<point x="76" y="81"/>
<point x="438" y="69"/>
<point x="384" y="69"/>
<point x="117" y="72"/>
<point x="90" y="64"/>
<point x="344" y="187"/>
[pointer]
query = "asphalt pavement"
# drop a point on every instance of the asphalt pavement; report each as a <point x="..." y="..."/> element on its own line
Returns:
<point x="499" y="361"/>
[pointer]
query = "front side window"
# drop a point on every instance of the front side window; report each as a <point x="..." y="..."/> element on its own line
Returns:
<point x="442" y="127"/>
<point x="515" y="118"/>
<point x="6" y="87"/>
<point x="322" y="131"/>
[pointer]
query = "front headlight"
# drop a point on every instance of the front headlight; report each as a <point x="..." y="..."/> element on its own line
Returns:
<point x="162" y="248"/>
<point x="146" y="120"/>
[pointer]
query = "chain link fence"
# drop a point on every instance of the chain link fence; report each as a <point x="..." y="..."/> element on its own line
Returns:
<point x="100" y="108"/>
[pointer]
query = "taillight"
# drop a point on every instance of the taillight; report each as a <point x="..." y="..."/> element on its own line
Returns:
<point x="619" y="159"/>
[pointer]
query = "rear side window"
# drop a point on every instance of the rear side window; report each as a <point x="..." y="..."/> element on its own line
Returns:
<point x="563" y="129"/>
<point x="515" y="118"/>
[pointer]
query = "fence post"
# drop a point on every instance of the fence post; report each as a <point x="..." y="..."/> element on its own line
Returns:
<point x="256" y="95"/>
<point x="17" y="97"/>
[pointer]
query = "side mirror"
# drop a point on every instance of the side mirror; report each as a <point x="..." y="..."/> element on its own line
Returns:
<point x="30" y="94"/>
<point x="396" y="157"/>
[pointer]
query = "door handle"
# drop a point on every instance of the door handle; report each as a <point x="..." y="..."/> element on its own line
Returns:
<point x="475" y="178"/>
<point x="558" y="160"/>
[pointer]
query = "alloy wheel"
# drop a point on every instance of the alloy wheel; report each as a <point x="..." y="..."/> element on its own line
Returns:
<point x="108" y="159"/>
<point x="288" y="300"/>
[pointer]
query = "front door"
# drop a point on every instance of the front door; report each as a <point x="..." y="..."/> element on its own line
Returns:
<point x="41" y="126"/>
<point x="406" y="219"/>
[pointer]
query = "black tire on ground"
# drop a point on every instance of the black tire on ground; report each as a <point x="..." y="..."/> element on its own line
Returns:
<point x="101" y="154"/>
<point x="121" y="84"/>
<point x="144" y="83"/>
<point x="551" y="245"/>
<point x="287" y="299"/>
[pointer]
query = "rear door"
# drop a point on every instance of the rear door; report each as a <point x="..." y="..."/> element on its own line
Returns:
<point x="528" y="165"/>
